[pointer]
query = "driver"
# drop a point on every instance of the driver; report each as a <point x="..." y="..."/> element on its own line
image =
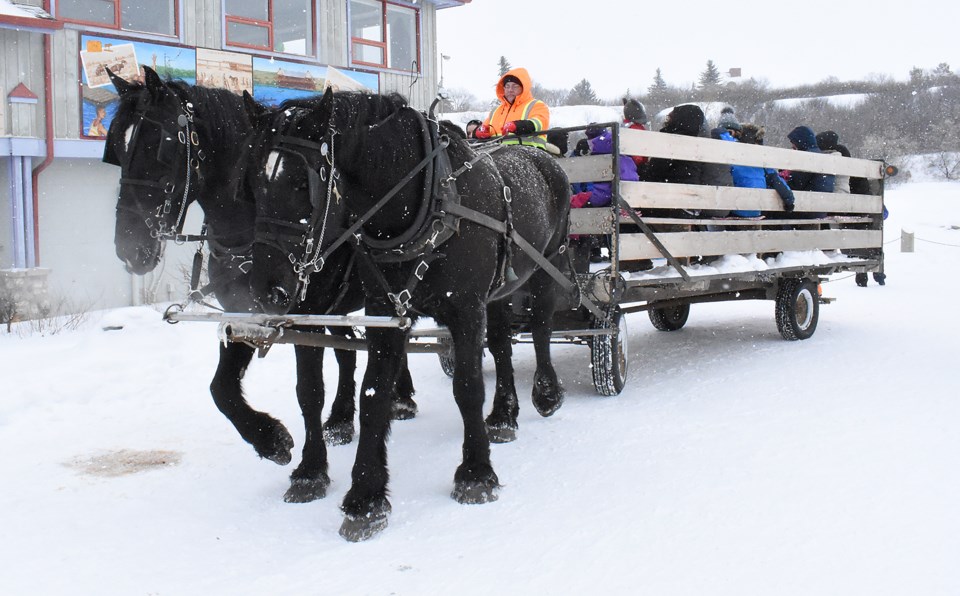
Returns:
<point x="518" y="112"/>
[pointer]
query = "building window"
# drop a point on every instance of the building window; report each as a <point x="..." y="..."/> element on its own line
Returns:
<point x="147" y="16"/>
<point x="384" y="34"/>
<point x="284" y="26"/>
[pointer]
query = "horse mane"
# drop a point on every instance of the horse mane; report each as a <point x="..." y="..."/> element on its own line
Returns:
<point x="222" y="112"/>
<point x="354" y="108"/>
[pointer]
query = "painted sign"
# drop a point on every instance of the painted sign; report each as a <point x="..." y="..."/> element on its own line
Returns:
<point x="269" y="80"/>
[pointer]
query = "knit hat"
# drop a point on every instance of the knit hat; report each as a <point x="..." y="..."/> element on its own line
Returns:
<point x="633" y="111"/>
<point x="803" y="138"/>
<point x="728" y="119"/>
<point x="593" y="131"/>
<point x="828" y="140"/>
<point x="512" y="79"/>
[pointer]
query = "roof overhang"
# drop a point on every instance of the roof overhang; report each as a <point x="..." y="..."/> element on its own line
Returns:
<point x="26" y="18"/>
<point x="448" y="3"/>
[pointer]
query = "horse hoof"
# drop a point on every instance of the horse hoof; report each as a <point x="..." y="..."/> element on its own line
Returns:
<point x="280" y="447"/>
<point x="356" y="528"/>
<point x="475" y="492"/>
<point x="547" y="394"/>
<point x="501" y="434"/>
<point x="305" y="490"/>
<point x="404" y="408"/>
<point x="547" y="405"/>
<point x="338" y="434"/>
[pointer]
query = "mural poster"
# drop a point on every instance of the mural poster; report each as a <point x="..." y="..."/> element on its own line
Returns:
<point x="269" y="80"/>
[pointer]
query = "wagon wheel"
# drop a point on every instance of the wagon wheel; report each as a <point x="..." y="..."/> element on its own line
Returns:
<point x="670" y="318"/>
<point x="609" y="354"/>
<point x="798" y="308"/>
<point x="446" y="358"/>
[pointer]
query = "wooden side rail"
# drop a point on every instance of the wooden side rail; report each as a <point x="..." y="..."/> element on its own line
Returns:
<point x="660" y="195"/>
<point x="658" y="144"/>
<point x="691" y="244"/>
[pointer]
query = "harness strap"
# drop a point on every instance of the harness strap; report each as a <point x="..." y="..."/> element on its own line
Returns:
<point x="538" y="257"/>
<point x="352" y="230"/>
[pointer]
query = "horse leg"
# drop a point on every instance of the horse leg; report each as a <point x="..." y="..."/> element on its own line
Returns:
<point x="502" y="421"/>
<point x="310" y="480"/>
<point x="365" y="505"/>
<point x="547" y="389"/>
<point x="404" y="408"/>
<point x="339" y="428"/>
<point x="474" y="481"/>
<point x="268" y="436"/>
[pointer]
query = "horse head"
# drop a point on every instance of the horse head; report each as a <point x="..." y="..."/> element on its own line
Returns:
<point x="289" y="175"/>
<point x="153" y="140"/>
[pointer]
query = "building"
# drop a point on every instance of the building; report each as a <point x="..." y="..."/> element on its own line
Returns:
<point x="57" y="219"/>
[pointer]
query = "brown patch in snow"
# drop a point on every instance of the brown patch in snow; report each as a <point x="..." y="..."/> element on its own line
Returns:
<point x="124" y="461"/>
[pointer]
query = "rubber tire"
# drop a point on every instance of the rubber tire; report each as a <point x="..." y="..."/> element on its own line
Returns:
<point x="609" y="354"/>
<point x="671" y="318"/>
<point x="798" y="309"/>
<point x="447" y="362"/>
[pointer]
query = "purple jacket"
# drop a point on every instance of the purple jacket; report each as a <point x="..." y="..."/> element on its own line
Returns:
<point x="602" y="191"/>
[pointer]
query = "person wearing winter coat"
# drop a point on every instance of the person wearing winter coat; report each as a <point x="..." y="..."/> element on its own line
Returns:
<point x="518" y="113"/>
<point x="803" y="139"/>
<point x="829" y="142"/>
<point x="684" y="120"/>
<point x="601" y="143"/>
<point x="635" y="118"/>
<point x="757" y="177"/>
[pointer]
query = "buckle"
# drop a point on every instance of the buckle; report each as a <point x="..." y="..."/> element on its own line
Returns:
<point x="420" y="271"/>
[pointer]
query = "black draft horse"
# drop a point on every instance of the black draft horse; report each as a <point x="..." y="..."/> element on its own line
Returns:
<point x="357" y="168"/>
<point x="176" y="143"/>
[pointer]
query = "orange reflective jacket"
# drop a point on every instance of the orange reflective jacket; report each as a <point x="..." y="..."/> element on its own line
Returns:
<point x="524" y="107"/>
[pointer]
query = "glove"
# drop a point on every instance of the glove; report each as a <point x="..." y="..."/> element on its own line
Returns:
<point x="580" y="199"/>
<point x="788" y="206"/>
<point x="509" y="127"/>
<point x="483" y="132"/>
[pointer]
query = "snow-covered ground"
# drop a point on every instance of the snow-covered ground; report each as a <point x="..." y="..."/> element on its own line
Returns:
<point x="733" y="463"/>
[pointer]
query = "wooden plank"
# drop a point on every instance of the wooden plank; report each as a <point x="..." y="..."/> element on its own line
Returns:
<point x="657" y="144"/>
<point x="691" y="244"/>
<point x="591" y="221"/>
<point x="661" y="195"/>
<point x="747" y="222"/>
<point x="589" y="168"/>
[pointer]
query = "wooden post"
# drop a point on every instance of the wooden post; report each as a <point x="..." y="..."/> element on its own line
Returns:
<point x="906" y="241"/>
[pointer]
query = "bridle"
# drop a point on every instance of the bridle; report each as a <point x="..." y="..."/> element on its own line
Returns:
<point x="291" y="237"/>
<point x="157" y="220"/>
<point x="310" y="240"/>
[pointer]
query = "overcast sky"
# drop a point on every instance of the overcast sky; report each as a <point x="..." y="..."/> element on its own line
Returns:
<point x="619" y="44"/>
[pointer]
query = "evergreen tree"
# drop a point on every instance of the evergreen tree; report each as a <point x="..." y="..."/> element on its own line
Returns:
<point x="710" y="77"/>
<point x="659" y="86"/>
<point x="504" y="65"/>
<point x="582" y="94"/>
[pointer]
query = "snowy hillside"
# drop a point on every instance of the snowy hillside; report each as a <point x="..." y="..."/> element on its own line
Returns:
<point x="733" y="463"/>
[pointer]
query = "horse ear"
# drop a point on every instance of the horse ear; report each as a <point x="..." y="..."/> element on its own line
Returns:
<point x="154" y="83"/>
<point x="253" y="108"/>
<point x="119" y="83"/>
<point x="326" y="102"/>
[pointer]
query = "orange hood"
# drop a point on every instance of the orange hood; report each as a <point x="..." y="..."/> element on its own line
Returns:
<point x="524" y="77"/>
